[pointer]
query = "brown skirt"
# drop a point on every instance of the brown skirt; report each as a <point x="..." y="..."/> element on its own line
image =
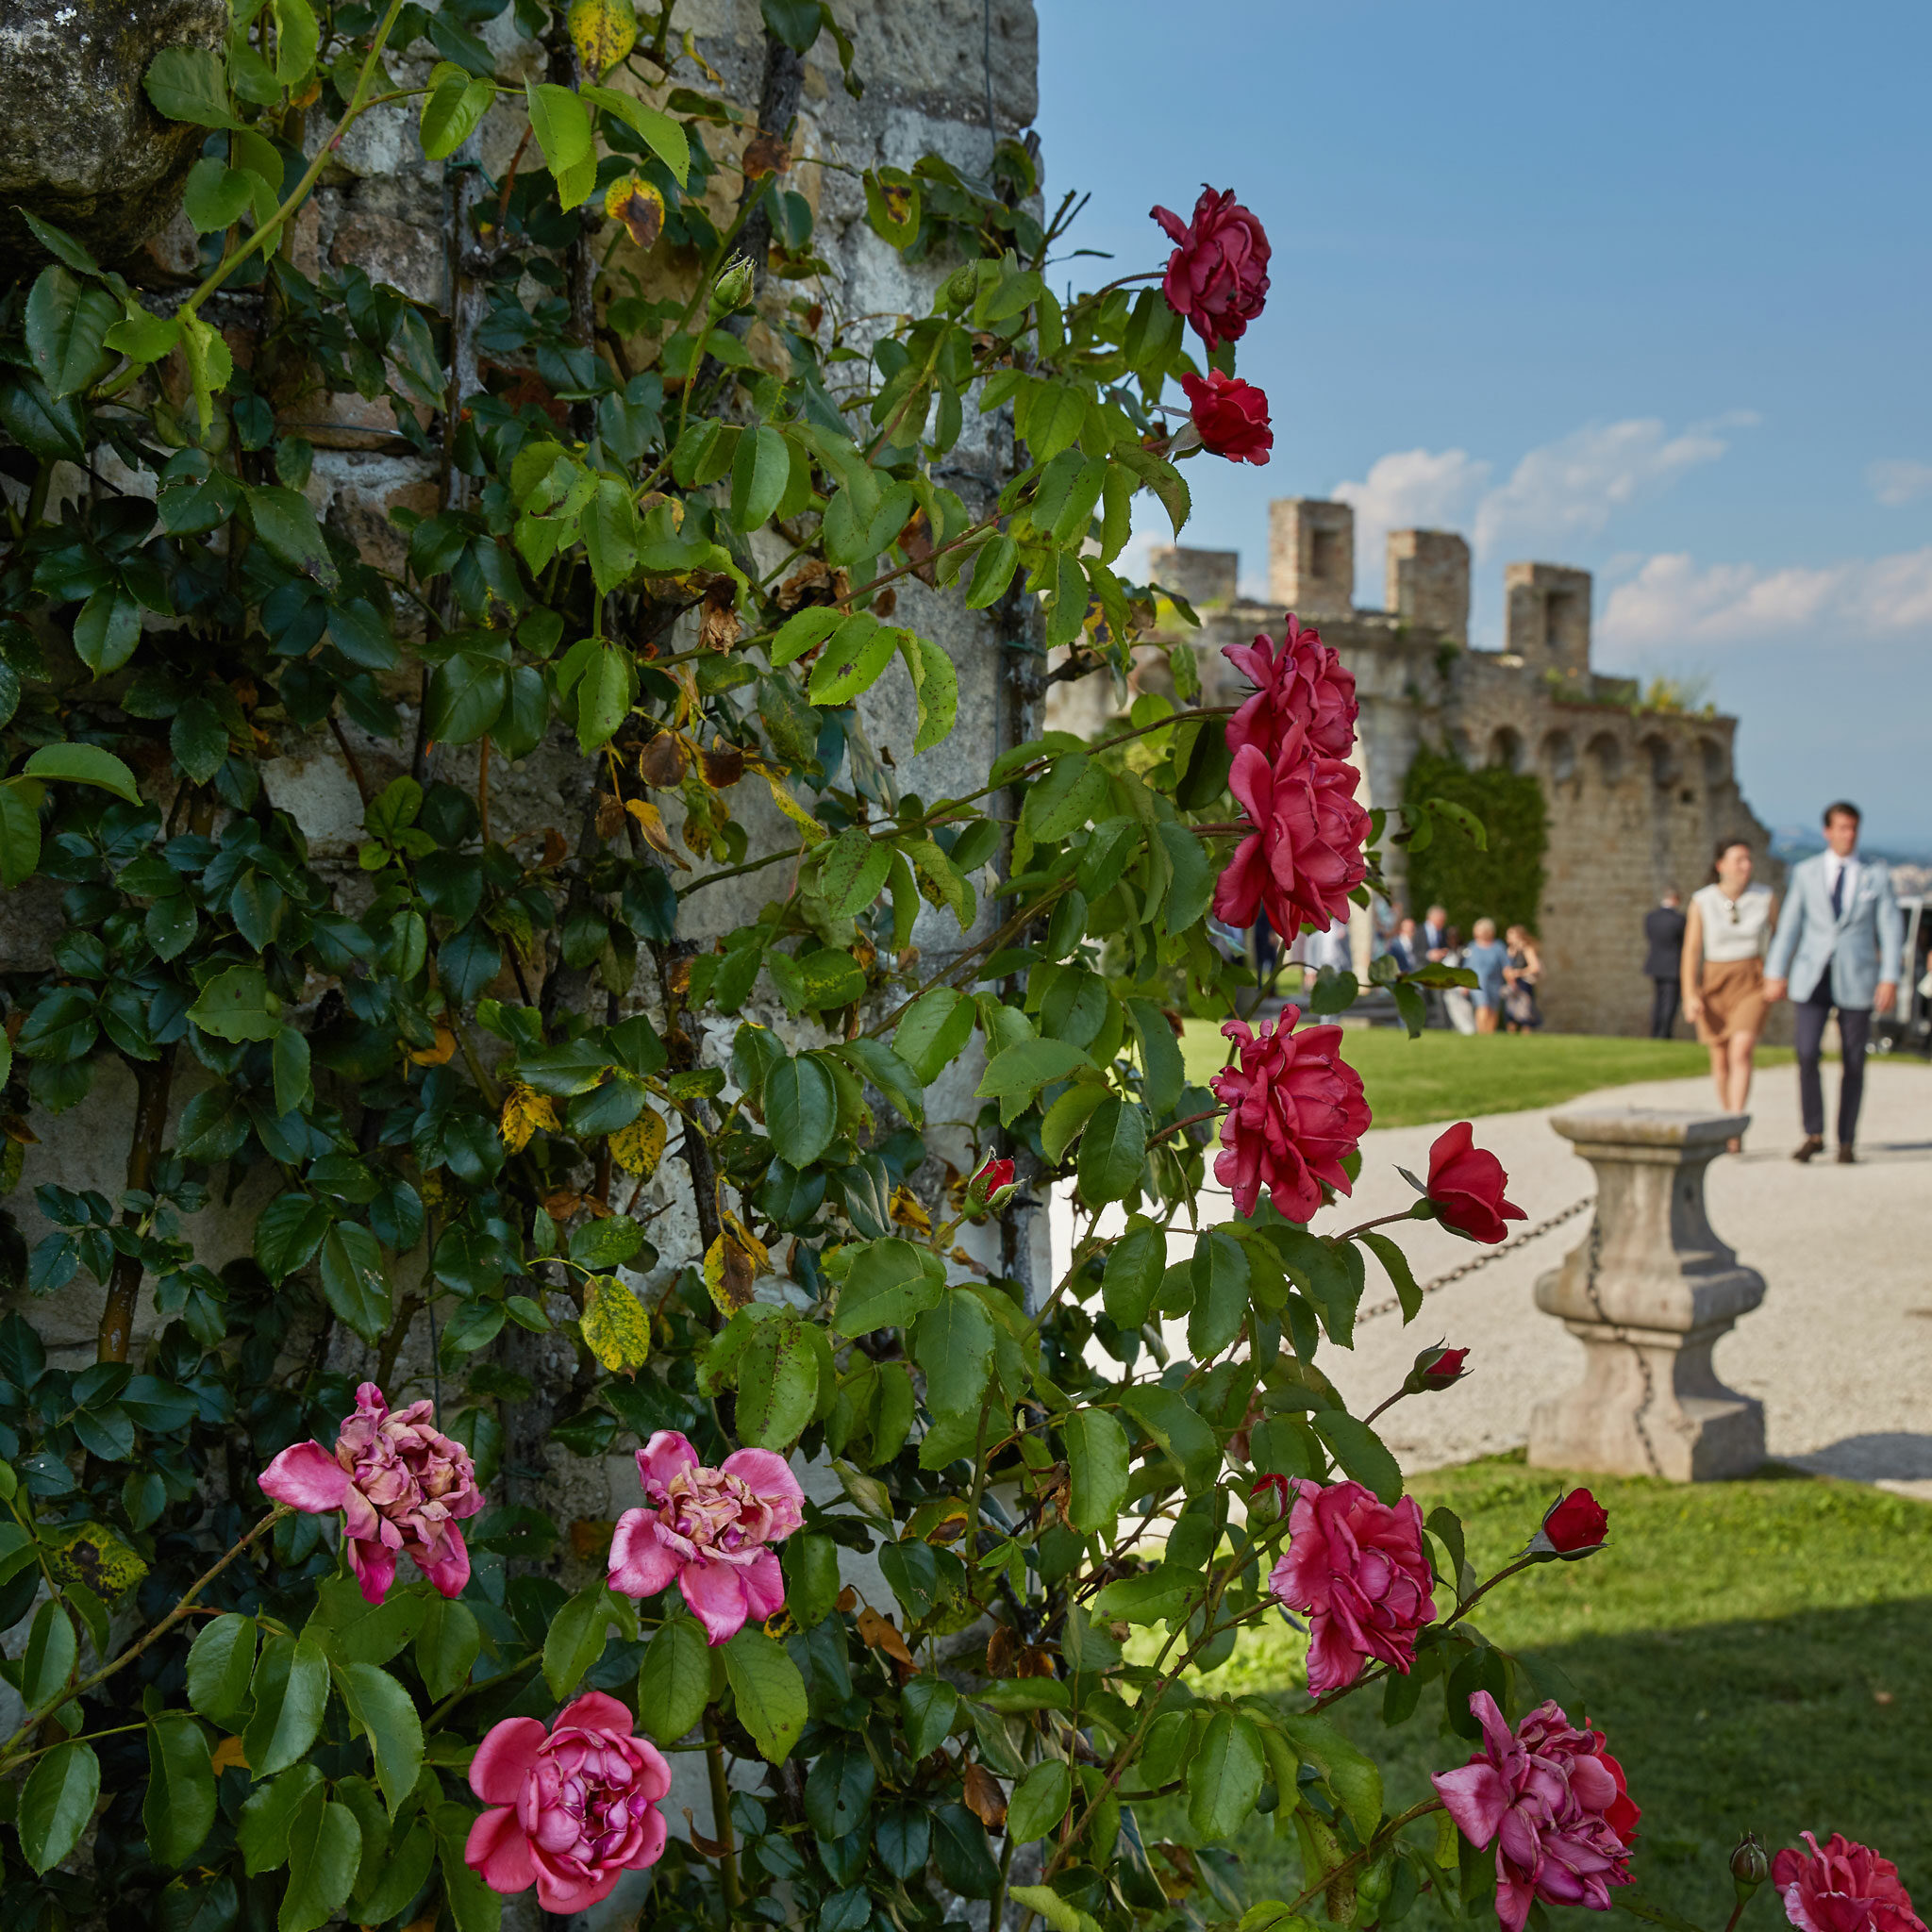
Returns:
<point x="1733" y="991"/>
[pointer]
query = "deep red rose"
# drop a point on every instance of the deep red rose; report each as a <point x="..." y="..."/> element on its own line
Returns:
<point x="1843" y="1886"/>
<point x="1217" y="276"/>
<point x="1444" y="1370"/>
<point x="1232" y="417"/>
<point x="1573" y="1524"/>
<point x="1306" y="854"/>
<point x="1295" y="1112"/>
<point x="1302" y="678"/>
<point x="1275" y="1485"/>
<point x="992" y="1183"/>
<point x="1466" y="1184"/>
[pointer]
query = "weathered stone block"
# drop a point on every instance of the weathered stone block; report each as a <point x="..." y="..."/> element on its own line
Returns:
<point x="80" y="144"/>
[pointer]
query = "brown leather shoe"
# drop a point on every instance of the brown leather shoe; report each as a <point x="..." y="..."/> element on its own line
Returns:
<point x="1811" y="1145"/>
<point x="1847" y="1158"/>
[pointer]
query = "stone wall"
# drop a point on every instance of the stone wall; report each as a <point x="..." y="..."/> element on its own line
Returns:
<point x="1637" y="798"/>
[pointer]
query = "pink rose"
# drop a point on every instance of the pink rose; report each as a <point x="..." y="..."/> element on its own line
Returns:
<point x="1306" y="854"/>
<point x="1301" y="678"/>
<point x="1465" y="1183"/>
<point x="1232" y="417"/>
<point x="1842" y="1888"/>
<point x="1355" y="1567"/>
<point x="1554" y="1801"/>
<point x="400" y="1484"/>
<point x="707" y="1531"/>
<point x="572" y="1808"/>
<point x="1295" y="1113"/>
<point x="1217" y="276"/>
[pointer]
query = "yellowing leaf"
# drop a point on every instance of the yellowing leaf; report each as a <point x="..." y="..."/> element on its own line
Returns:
<point x="439" y="1055"/>
<point x="617" y="1329"/>
<point x="523" y="1111"/>
<point x="639" y="1147"/>
<point x="729" y="1274"/>
<point x="651" y="822"/>
<point x="90" y="1553"/>
<point x="633" y="200"/>
<point x="781" y="796"/>
<point x="604" y="31"/>
<point x="908" y="1212"/>
<point x="761" y="1254"/>
<point x="228" y="1752"/>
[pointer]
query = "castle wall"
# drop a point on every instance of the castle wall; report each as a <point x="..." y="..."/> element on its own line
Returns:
<point x="1637" y="799"/>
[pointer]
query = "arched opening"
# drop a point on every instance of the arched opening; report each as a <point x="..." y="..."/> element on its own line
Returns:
<point x="1505" y="748"/>
<point x="1559" y="756"/>
<point x="1663" y="762"/>
<point x="1607" y="755"/>
<point x="1717" y="766"/>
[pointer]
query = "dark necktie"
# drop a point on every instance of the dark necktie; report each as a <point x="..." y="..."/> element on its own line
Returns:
<point x="1838" y="894"/>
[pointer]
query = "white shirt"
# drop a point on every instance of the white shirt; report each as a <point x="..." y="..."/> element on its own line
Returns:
<point x="1850" y="867"/>
<point x="1734" y="929"/>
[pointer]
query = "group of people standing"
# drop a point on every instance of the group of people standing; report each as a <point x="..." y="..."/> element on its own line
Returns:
<point x="1507" y="970"/>
<point x="1835" y="946"/>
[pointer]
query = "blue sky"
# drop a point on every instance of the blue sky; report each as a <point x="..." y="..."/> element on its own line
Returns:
<point x="1642" y="289"/>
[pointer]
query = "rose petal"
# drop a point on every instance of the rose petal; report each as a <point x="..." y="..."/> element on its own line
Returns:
<point x="504" y="1759"/>
<point x="716" y="1598"/>
<point x="496" y="1849"/>
<point x="640" y="1564"/>
<point x="306" y="1477"/>
<point x="664" y="1455"/>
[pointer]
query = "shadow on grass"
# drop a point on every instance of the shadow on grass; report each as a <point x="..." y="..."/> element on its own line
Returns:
<point x="1818" y="1720"/>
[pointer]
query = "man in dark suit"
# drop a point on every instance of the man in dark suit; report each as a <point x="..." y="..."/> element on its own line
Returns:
<point x="1663" y="935"/>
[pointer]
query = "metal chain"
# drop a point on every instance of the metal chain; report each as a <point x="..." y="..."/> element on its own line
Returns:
<point x="1595" y="1258"/>
<point x="1470" y="1267"/>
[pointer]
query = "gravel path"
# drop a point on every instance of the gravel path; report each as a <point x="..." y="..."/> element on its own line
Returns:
<point x="1839" y="1352"/>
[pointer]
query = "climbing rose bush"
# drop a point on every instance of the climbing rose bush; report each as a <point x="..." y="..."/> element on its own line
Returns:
<point x="704" y="1056"/>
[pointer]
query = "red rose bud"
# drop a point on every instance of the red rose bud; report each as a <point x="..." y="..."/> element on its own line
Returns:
<point x="1465" y="1186"/>
<point x="1232" y="417"/>
<point x="1436" y="1368"/>
<point x="1217" y="276"/>
<point x="1275" y="1487"/>
<point x="993" y="1185"/>
<point x="1574" y="1526"/>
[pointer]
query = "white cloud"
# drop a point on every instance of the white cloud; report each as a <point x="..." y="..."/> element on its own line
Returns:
<point x="1573" y="487"/>
<point x="1411" y="489"/>
<point x="1898" y="480"/>
<point x="1671" y="601"/>
<point x="1559" y="492"/>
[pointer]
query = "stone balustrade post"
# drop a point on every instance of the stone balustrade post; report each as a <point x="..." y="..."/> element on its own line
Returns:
<point x="1649" y="1292"/>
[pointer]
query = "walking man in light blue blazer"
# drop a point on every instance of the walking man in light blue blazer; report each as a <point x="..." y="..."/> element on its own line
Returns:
<point x="1838" y="945"/>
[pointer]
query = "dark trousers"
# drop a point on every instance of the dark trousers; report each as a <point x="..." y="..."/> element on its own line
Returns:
<point x="1855" y="1034"/>
<point x="1663" y="1008"/>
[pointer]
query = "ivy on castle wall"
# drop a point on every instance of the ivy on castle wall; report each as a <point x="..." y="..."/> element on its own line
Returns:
<point x="1504" y="881"/>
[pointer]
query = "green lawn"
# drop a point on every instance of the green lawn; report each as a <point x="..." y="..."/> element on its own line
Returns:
<point x="1753" y="1651"/>
<point x="1445" y="1076"/>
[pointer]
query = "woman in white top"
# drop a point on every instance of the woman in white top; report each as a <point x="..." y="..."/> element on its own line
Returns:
<point x="1730" y="924"/>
